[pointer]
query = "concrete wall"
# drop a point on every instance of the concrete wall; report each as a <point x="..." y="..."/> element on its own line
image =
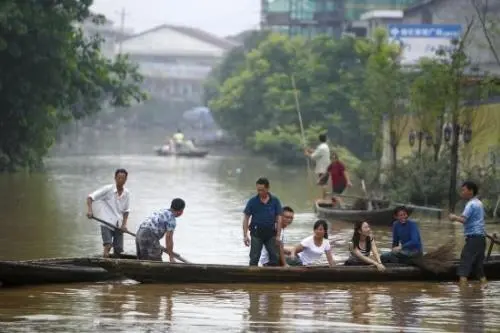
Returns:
<point x="462" y="12"/>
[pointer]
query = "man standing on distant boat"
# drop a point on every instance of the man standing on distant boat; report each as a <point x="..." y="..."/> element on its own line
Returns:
<point x="262" y="217"/>
<point x="321" y="156"/>
<point x="111" y="205"/>
<point x="178" y="140"/>
<point x="287" y="219"/>
<point x="340" y="178"/>
<point x="154" y="227"/>
<point x="472" y="257"/>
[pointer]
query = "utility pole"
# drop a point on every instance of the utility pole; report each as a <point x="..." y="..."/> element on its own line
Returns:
<point x="123" y="13"/>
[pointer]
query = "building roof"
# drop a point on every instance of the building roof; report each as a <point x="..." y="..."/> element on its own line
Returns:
<point x="383" y="14"/>
<point x="191" y="32"/>
<point x="422" y="4"/>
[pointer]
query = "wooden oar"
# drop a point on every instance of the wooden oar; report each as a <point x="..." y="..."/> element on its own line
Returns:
<point x="176" y="255"/>
<point x="439" y="260"/>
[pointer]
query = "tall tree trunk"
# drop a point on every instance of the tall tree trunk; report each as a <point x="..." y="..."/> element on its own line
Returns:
<point x="438" y="140"/>
<point x="452" y="194"/>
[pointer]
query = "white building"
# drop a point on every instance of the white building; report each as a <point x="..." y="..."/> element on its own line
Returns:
<point x="175" y="60"/>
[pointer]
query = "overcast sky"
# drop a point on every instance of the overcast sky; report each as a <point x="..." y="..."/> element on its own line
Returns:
<point x="222" y="17"/>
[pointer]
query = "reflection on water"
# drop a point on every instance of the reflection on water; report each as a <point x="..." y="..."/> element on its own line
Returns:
<point x="43" y="216"/>
<point x="238" y="308"/>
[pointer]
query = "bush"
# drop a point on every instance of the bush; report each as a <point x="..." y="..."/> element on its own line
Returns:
<point x="420" y="180"/>
<point x="283" y="145"/>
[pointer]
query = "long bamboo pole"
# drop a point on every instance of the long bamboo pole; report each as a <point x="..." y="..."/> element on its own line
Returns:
<point x="310" y="179"/>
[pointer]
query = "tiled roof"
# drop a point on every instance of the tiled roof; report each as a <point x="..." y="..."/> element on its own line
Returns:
<point x="192" y="32"/>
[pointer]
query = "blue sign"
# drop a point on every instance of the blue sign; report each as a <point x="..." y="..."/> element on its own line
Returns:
<point x="448" y="31"/>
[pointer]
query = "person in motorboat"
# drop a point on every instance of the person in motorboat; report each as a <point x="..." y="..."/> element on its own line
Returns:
<point x="363" y="248"/>
<point x="160" y="223"/>
<point x="189" y="145"/>
<point x="178" y="138"/>
<point x="406" y="240"/>
<point x="312" y="248"/>
<point x="286" y="219"/>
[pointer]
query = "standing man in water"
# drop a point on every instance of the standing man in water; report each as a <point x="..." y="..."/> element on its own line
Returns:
<point x="263" y="211"/>
<point x="111" y="204"/>
<point x="472" y="257"/>
<point x="321" y="156"/>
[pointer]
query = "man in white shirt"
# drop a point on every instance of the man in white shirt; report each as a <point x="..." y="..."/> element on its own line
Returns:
<point x="111" y="204"/>
<point x="321" y="156"/>
<point x="286" y="220"/>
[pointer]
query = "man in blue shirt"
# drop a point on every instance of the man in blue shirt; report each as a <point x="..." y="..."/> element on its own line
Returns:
<point x="406" y="241"/>
<point x="263" y="211"/>
<point x="472" y="257"/>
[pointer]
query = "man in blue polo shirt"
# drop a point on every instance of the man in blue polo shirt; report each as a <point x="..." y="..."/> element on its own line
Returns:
<point x="472" y="257"/>
<point x="263" y="211"/>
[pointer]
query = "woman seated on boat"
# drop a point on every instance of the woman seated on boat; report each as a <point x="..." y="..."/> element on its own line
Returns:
<point x="311" y="248"/>
<point x="406" y="241"/>
<point x="362" y="246"/>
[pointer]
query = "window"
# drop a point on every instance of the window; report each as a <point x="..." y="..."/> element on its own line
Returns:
<point x="426" y="16"/>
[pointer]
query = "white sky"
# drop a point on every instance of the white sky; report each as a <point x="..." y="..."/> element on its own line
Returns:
<point x="222" y="17"/>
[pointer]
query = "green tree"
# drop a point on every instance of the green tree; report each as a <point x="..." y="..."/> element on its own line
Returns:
<point x="259" y="100"/>
<point x="52" y="74"/>
<point x="429" y="100"/>
<point x="384" y="91"/>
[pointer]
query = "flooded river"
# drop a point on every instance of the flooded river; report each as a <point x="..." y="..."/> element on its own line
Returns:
<point x="44" y="216"/>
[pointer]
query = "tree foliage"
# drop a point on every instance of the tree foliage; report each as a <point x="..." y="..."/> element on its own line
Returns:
<point x="52" y="74"/>
<point x="259" y="98"/>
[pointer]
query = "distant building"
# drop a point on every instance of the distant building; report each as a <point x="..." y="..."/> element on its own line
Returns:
<point x="175" y="60"/>
<point x="461" y="12"/>
<point x="355" y="8"/>
<point x="108" y="32"/>
<point x="303" y="17"/>
<point x="312" y="17"/>
<point x="371" y="20"/>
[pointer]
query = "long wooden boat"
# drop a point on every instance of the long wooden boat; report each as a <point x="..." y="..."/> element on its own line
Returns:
<point x="188" y="153"/>
<point x="380" y="216"/>
<point x="159" y="272"/>
<point x="53" y="271"/>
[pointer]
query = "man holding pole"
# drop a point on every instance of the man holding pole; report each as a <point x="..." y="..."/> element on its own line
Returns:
<point x="111" y="203"/>
<point x="321" y="156"/>
<point x="472" y="257"/>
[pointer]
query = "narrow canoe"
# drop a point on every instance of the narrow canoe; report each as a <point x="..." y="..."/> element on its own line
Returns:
<point x="53" y="271"/>
<point x="193" y="153"/>
<point x="159" y="272"/>
<point x="380" y="217"/>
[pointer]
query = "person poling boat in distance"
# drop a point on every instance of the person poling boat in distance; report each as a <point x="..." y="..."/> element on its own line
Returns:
<point x="363" y="244"/>
<point x="321" y="156"/>
<point x="312" y="248"/>
<point x="287" y="219"/>
<point x="340" y="179"/>
<point x="264" y="210"/>
<point x="160" y="223"/>
<point x="472" y="256"/>
<point x="406" y="240"/>
<point x="111" y="203"/>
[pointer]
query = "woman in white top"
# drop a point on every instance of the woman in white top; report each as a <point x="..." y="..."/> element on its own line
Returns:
<point x="311" y="248"/>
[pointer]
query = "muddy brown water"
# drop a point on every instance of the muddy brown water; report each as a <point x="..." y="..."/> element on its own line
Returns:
<point x="43" y="216"/>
